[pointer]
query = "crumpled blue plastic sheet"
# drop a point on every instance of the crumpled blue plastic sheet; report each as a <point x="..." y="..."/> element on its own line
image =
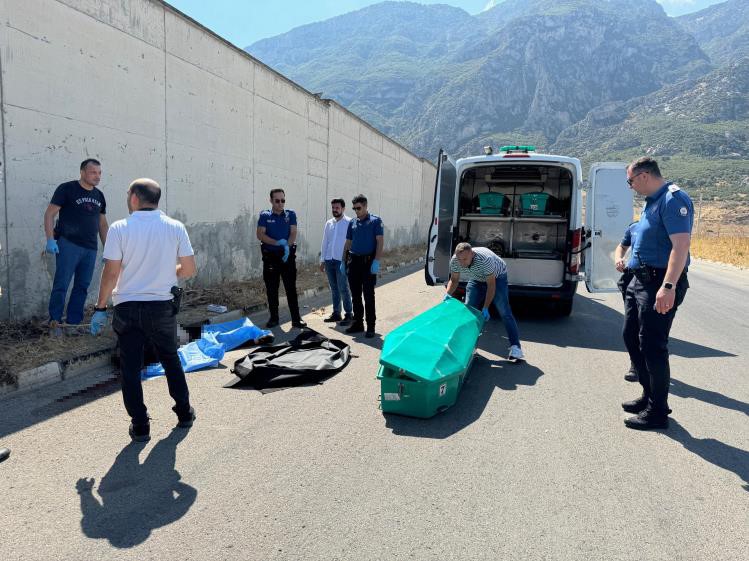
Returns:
<point x="235" y="333"/>
<point x="208" y="351"/>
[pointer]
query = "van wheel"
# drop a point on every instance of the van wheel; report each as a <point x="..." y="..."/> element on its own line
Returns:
<point x="563" y="307"/>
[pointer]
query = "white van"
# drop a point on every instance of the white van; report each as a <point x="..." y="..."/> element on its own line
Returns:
<point x="527" y="208"/>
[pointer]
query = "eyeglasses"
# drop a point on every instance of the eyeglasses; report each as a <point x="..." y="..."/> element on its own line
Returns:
<point x="357" y="207"/>
<point x="631" y="179"/>
<point x="279" y="200"/>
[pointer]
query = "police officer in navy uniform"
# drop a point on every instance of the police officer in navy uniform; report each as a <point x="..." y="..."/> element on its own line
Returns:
<point x="362" y="254"/>
<point x="276" y="230"/>
<point x="659" y="261"/>
<point x="620" y="259"/>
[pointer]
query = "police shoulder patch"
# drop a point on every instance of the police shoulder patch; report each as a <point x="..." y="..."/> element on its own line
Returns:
<point x="683" y="211"/>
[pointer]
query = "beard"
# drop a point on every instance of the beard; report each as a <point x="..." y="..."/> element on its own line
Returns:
<point x="336" y="213"/>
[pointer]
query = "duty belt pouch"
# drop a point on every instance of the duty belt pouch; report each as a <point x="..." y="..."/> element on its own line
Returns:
<point x="364" y="259"/>
<point x="177" y="293"/>
<point x="643" y="274"/>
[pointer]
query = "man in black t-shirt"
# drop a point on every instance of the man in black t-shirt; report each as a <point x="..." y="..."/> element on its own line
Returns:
<point x="82" y="216"/>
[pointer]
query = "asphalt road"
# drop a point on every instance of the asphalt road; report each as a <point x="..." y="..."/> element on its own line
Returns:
<point x="533" y="462"/>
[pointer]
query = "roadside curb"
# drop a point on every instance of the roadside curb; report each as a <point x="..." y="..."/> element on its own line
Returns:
<point x="57" y="371"/>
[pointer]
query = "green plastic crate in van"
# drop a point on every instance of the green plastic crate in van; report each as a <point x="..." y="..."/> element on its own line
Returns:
<point x="425" y="361"/>
<point x="492" y="203"/>
<point x="534" y="204"/>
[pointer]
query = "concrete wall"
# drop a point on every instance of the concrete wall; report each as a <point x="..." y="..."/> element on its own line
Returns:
<point x="149" y="92"/>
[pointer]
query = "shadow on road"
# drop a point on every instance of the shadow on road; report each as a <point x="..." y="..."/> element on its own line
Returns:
<point x="484" y="378"/>
<point x="592" y="325"/>
<point x="714" y="451"/>
<point x="682" y="389"/>
<point x="135" y="497"/>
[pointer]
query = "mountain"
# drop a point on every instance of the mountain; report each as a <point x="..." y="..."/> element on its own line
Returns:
<point x="546" y="67"/>
<point x="369" y="60"/>
<point x="699" y="126"/>
<point x="414" y="71"/>
<point x="722" y="30"/>
<point x="597" y="78"/>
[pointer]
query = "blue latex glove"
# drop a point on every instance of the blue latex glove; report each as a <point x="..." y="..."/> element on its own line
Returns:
<point x="375" y="268"/>
<point x="52" y="246"/>
<point x="447" y="297"/>
<point x="283" y="243"/>
<point x="342" y="268"/>
<point x="285" y="257"/>
<point x="98" y="321"/>
<point x="485" y="313"/>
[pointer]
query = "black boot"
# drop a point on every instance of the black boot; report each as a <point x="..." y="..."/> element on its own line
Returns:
<point x="347" y="319"/>
<point x="648" y="419"/>
<point x="140" y="433"/>
<point x="370" y="331"/>
<point x="636" y="405"/>
<point x="185" y="419"/>
<point x="355" y="327"/>
<point x="333" y="317"/>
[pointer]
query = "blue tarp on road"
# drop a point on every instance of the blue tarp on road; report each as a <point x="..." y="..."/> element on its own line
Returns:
<point x="216" y="339"/>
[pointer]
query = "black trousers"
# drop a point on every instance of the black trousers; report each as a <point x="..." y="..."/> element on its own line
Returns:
<point x="274" y="271"/>
<point x="135" y="324"/>
<point x="623" y="283"/>
<point x="646" y="335"/>
<point x="361" y="281"/>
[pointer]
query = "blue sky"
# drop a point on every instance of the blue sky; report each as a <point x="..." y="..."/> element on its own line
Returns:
<point x="245" y="21"/>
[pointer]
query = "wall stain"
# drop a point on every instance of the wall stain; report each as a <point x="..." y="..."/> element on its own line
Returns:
<point x="225" y="250"/>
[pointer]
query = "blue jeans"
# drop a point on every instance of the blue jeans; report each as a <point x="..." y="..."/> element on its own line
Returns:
<point x="72" y="261"/>
<point x="339" y="289"/>
<point x="476" y="294"/>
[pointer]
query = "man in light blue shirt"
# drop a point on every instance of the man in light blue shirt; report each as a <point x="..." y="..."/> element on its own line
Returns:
<point x="331" y="254"/>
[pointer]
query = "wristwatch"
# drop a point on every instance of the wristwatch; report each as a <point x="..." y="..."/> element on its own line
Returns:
<point x="104" y="309"/>
<point x="668" y="285"/>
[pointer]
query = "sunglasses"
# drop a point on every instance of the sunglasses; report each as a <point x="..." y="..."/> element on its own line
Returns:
<point x="279" y="200"/>
<point x="631" y="179"/>
<point x="357" y="207"/>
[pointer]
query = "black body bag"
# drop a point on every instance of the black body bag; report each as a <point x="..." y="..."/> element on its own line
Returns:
<point x="310" y="358"/>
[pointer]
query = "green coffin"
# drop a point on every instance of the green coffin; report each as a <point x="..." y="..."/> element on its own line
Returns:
<point x="424" y="361"/>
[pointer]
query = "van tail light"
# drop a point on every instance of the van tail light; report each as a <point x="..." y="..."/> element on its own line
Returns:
<point x="576" y="254"/>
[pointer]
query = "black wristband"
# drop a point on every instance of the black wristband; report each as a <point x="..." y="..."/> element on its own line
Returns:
<point x="100" y="309"/>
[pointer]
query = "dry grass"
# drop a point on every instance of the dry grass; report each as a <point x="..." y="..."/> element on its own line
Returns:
<point x="722" y="234"/>
<point x="723" y="248"/>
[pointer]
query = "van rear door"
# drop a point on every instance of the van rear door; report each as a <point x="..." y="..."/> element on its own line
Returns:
<point x="608" y="212"/>
<point x="440" y="242"/>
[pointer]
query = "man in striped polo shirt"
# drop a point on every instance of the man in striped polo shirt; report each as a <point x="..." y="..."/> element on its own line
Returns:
<point x="487" y="283"/>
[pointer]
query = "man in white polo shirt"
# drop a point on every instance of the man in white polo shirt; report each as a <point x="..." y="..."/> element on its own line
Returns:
<point x="145" y="255"/>
<point x="331" y="254"/>
<point x="487" y="284"/>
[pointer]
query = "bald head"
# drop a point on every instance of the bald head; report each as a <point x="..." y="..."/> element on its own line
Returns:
<point x="147" y="191"/>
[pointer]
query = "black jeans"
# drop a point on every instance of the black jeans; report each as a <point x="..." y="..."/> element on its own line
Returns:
<point x="274" y="271"/>
<point x="646" y="335"/>
<point x="136" y="323"/>
<point x="360" y="280"/>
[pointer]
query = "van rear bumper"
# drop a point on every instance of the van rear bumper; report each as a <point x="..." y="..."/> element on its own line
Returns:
<point x="565" y="292"/>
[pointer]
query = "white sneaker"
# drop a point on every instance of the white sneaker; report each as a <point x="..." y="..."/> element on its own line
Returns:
<point x="516" y="353"/>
